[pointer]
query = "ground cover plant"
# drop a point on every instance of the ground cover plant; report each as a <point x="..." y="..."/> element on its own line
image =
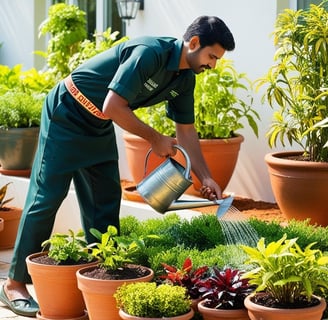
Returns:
<point x="202" y="240"/>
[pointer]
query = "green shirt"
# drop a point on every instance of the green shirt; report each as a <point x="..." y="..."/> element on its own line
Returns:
<point x="144" y="71"/>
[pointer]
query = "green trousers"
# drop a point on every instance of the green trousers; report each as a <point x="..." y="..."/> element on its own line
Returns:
<point x="73" y="146"/>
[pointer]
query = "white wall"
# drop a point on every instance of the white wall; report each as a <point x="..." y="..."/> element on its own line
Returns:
<point x="251" y="22"/>
<point x="19" y="20"/>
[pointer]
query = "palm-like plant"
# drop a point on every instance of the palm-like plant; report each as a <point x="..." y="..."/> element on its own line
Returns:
<point x="298" y="81"/>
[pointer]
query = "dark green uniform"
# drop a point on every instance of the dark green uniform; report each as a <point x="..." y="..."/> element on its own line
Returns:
<point x="75" y="145"/>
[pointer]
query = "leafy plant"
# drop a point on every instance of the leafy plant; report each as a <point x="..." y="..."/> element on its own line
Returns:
<point x="102" y="41"/>
<point x="154" y="118"/>
<point x="225" y="289"/>
<point x="66" y="25"/>
<point x="286" y="271"/>
<point x="186" y="277"/>
<point x="146" y="299"/>
<point x="219" y="112"/>
<point x="20" y="109"/>
<point x="114" y="251"/>
<point x="68" y="248"/>
<point x="3" y="192"/>
<point x="297" y="82"/>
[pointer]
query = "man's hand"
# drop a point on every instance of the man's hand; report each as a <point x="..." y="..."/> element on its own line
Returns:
<point x="211" y="190"/>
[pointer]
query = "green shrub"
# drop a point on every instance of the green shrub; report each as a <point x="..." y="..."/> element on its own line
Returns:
<point x="146" y="299"/>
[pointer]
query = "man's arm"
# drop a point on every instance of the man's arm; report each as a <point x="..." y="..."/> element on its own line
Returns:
<point x="116" y="108"/>
<point x="187" y="137"/>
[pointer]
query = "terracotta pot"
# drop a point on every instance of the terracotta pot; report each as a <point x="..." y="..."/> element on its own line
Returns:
<point x="221" y="156"/>
<point x="11" y="219"/>
<point x="258" y="312"/>
<point x="98" y="294"/>
<point x="186" y="316"/>
<point x="220" y="314"/>
<point x="56" y="289"/>
<point x="136" y="150"/>
<point x="2" y="224"/>
<point x="17" y="147"/>
<point x="299" y="187"/>
<point x="16" y="173"/>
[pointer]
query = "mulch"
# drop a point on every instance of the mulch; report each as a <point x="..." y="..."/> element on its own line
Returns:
<point x="261" y="210"/>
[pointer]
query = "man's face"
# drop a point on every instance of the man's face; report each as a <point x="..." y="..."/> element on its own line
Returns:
<point x="200" y="59"/>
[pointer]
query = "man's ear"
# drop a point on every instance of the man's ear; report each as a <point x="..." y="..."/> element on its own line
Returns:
<point x="194" y="43"/>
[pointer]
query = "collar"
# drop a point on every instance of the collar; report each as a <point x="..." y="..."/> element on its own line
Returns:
<point x="174" y="60"/>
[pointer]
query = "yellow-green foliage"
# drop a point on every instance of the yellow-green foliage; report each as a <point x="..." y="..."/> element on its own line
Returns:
<point x="146" y="299"/>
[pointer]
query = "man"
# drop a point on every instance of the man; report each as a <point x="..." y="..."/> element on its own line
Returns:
<point x="77" y="139"/>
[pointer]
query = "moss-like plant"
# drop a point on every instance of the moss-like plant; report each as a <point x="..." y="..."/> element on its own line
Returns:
<point x="20" y="109"/>
<point x="146" y="299"/>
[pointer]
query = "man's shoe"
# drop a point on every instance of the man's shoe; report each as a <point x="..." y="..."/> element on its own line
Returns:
<point x="24" y="307"/>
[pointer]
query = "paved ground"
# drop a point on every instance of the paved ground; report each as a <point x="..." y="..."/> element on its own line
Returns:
<point x="6" y="313"/>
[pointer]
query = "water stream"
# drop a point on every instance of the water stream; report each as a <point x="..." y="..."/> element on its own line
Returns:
<point x="237" y="230"/>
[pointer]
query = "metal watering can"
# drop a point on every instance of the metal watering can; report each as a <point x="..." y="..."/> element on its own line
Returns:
<point x="164" y="185"/>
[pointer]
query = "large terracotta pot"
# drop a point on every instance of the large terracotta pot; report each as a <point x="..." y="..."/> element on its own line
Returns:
<point x="17" y="148"/>
<point x="98" y="294"/>
<point x="136" y="150"/>
<point x="258" y="312"/>
<point x="56" y="289"/>
<point x="2" y="224"/>
<point x="186" y="316"/>
<point x="220" y="314"/>
<point x="221" y="156"/>
<point x="11" y="217"/>
<point x="299" y="187"/>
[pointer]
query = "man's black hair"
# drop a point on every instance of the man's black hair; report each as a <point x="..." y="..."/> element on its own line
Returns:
<point x="210" y="30"/>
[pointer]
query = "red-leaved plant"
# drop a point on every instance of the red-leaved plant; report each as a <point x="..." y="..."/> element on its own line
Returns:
<point x="186" y="277"/>
<point x="225" y="289"/>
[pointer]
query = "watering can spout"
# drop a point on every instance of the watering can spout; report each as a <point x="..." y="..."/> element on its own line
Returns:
<point x="191" y="204"/>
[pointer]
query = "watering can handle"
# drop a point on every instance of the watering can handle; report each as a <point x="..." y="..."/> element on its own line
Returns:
<point x="183" y="151"/>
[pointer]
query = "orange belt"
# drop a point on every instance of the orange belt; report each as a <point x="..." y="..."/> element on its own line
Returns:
<point x="82" y="99"/>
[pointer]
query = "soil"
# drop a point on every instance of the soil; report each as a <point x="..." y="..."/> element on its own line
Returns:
<point x="261" y="210"/>
<point x="129" y="271"/>
<point x="45" y="259"/>
<point x="266" y="300"/>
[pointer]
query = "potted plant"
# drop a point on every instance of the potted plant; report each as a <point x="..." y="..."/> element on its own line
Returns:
<point x="98" y="284"/>
<point x="21" y="96"/>
<point x="219" y="114"/>
<point x="148" y="300"/>
<point x="11" y="217"/>
<point x="223" y="295"/>
<point x="296" y="89"/>
<point x="53" y="273"/>
<point x="187" y="277"/>
<point x="286" y="278"/>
